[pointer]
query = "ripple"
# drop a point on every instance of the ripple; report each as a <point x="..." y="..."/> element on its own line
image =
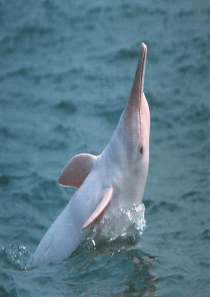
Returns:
<point x="35" y="29"/>
<point x="7" y="287"/>
<point x="66" y="106"/>
<point x="196" y="114"/>
<point x="52" y="144"/>
<point x="165" y="206"/>
<point x="24" y="72"/>
<point x="206" y="235"/>
<point x="111" y="116"/>
<point x="126" y="54"/>
<point x="5" y="132"/>
<point x="189" y="195"/>
<point x="4" y="180"/>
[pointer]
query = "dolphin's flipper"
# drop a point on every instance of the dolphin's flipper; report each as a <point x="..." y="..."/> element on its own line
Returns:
<point x="100" y="208"/>
<point x="76" y="170"/>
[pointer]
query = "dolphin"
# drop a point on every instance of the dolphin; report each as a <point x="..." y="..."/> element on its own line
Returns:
<point x="116" y="178"/>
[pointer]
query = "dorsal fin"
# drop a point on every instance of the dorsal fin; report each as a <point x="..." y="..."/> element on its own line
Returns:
<point x="76" y="170"/>
<point x="100" y="208"/>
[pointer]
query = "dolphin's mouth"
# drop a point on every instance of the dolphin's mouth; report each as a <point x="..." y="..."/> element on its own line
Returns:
<point x="141" y="73"/>
<point x="140" y="117"/>
<point x="134" y="105"/>
<point x="142" y="66"/>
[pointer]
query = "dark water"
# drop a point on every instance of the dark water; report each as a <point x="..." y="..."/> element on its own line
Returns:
<point x="66" y="70"/>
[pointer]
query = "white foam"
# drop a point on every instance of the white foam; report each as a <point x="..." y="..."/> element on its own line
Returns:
<point x="121" y="223"/>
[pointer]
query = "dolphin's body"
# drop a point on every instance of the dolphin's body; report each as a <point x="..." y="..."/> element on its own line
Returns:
<point x="115" y="178"/>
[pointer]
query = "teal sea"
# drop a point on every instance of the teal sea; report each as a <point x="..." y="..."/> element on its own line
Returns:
<point x="66" y="71"/>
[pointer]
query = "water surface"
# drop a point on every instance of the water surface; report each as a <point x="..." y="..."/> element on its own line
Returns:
<point x="66" y="71"/>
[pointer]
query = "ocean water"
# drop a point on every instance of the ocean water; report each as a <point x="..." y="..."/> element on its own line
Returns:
<point x="66" y="71"/>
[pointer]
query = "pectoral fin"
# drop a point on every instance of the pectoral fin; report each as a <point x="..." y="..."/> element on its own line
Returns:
<point x="100" y="208"/>
<point x="76" y="170"/>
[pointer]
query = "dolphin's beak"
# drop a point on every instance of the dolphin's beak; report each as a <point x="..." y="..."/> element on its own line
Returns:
<point x="138" y="84"/>
<point x="133" y="108"/>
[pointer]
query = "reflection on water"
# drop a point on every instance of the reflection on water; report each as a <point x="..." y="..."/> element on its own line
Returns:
<point x="119" y="268"/>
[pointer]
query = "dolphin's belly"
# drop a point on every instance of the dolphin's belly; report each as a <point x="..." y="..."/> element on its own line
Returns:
<point x="62" y="238"/>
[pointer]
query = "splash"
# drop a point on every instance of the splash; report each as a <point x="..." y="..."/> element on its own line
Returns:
<point x="125" y="224"/>
<point x="136" y="215"/>
<point x="19" y="257"/>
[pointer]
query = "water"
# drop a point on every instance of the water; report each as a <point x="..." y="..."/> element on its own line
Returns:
<point x="66" y="71"/>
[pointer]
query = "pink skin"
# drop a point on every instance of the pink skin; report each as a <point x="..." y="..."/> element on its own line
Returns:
<point x="115" y="178"/>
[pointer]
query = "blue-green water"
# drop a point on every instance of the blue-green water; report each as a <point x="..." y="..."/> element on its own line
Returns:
<point x="66" y="70"/>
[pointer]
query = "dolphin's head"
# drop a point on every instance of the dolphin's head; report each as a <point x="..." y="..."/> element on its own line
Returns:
<point x="136" y="116"/>
<point x="131" y="139"/>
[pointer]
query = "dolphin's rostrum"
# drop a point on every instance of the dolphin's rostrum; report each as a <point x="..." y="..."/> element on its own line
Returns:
<point x="115" y="178"/>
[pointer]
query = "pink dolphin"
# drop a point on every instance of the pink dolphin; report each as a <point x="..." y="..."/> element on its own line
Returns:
<point x="113" y="179"/>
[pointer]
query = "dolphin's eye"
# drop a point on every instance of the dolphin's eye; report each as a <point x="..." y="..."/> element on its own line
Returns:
<point x="141" y="150"/>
